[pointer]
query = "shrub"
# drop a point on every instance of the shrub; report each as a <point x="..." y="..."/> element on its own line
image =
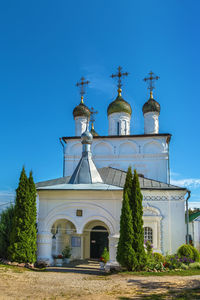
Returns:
<point x="196" y="255"/>
<point x="152" y="264"/>
<point x="172" y="262"/>
<point x="66" y="252"/>
<point x="184" y="267"/>
<point x="148" y="247"/>
<point x="105" y="255"/>
<point x="195" y="265"/>
<point x="185" y="251"/>
<point x="158" y="257"/>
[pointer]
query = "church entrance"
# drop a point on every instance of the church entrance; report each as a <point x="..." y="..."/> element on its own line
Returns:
<point x="98" y="241"/>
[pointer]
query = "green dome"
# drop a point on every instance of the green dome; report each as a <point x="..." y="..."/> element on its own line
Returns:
<point x="81" y="110"/>
<point x="93" y="132"/>
<point x="151" y="106"/>
<point x="119" y="105"/>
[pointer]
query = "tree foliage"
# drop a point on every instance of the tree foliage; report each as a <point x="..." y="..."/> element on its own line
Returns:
<point x="125" y="253"/>
<point x="6" y="220"/>
<point x="23" y="235"/>
<point x="137" y="221"/>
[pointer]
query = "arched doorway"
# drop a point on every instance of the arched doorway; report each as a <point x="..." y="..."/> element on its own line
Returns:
<point x="98" y="241"/>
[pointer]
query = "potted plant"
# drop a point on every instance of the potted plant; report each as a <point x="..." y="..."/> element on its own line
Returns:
<point x="104" y="258"/>
<point x="58" y="260"/>
<point x="66" y="254"/>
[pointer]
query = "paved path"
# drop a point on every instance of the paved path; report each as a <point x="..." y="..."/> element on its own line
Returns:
<point x="90" y="267"/>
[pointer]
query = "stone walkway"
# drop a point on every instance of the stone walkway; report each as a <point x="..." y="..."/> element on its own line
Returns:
<point x="90" y="267"/>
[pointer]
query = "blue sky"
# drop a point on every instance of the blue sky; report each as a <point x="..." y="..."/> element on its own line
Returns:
<point x="46" y="46"/>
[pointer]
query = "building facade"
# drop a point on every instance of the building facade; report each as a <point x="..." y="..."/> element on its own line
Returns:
<point x="82" y="209"/>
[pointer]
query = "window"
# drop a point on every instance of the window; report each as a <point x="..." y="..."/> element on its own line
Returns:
<point x="75" y="241"/>
<point x="148" y="234"/>
<point x="117" y="128"/>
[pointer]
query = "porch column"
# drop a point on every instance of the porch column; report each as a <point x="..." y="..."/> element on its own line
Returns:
<point x="44" y="247"/>
<point x="113" y="242"/>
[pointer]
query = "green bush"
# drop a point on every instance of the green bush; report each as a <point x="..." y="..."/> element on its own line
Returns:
<point x="195" y="265"/>
<point x="185" y="251"/>
<point x="158" y="257"/>
<point x="105" y="255"/>
<point x="172" y="262"/>
<point x="152" y="264"/>
<point x="66" y="252"/>
<point x="195" y="253"/>
<point x="184" y="267"/>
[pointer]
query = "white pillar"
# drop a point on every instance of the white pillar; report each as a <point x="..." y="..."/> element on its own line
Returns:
<point x="151" y="123"/>
<point x="80" y="125"/>
<point x="113" y="242"/>
<point x="44" y="247"/>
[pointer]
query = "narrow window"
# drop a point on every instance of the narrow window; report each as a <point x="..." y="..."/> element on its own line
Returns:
<point x="117" y="128"/>
<point x="148" y="234"/>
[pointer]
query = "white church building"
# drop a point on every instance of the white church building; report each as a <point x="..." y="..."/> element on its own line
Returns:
<point x="82" y="209"/>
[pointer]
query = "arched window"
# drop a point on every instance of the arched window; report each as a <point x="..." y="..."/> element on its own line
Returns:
<point x="148" y="234"/>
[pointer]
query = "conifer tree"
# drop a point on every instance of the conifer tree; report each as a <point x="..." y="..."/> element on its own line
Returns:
<point x="23" y="235"/>
<point x="137" y="221"/>
<point x="125" y="253"/>
<point x="33" y="216"/>
<point x="6" y="220"/>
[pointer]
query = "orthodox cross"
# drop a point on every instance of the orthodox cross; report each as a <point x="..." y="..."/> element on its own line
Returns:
<point x="151" y="80"/>
<point x="82" y="84"/>
<point x="119" y="75"/>
<point x="92" y="119"/>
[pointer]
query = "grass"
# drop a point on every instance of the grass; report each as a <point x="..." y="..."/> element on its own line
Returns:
<point x="188" y="272"/>
<point x="17" y="269"/>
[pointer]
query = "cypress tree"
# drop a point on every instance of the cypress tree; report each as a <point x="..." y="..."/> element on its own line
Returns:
<point x="6" y="220"/>
<point x="125" y="253"/>
<point x="128" y="183"/>
<point x="137" y="221"/>
<point x="33" y="216"/>
<point x="23" y="236"/>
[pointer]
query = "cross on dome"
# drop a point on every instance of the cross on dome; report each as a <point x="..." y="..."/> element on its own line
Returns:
<point x="119" y="75"/>
<point x="82" y="84"/>
<point x="92" y="119"/>
<point x="151" y="82"/>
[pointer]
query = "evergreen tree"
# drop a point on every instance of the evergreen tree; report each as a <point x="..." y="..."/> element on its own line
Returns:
<point x="125" y="253"/>
<point x="23" y="236"/>
<point x="137" y="221"/>
<point x="6" y="220"/>
<point x="33" y="217"/>
<point x="128" y="183"/>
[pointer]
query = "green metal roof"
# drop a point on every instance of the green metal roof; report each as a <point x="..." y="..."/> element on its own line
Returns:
<point x="119" y="105"/>
<point x="150" y="106"/>
<point x="81" y="110"/>
<point x="194" y="216"/>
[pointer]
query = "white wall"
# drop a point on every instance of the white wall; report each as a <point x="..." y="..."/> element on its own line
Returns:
<point x="163" y="212"/>
<point x="124" y="124"/>
<point x="149" y="155"/>
<point x="151" y="123"/>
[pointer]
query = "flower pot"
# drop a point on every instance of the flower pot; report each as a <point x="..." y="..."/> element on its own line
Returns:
<point x="102" y="265"/>
<point x="58" y="262"/>
<point x="66" y="260"/>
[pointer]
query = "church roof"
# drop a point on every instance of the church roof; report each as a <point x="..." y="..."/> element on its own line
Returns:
<point x="167" y="135"/>
<point x="86" y="171"/>
<point x="113" y="179"/>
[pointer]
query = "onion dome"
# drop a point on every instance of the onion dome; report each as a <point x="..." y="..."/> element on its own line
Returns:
<point x="151" y="105"/>
<point x="119" y="105"/>
<point x="81" y="110"/>
<point x="93" y="132"/>
<point x="86" y="137"/>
